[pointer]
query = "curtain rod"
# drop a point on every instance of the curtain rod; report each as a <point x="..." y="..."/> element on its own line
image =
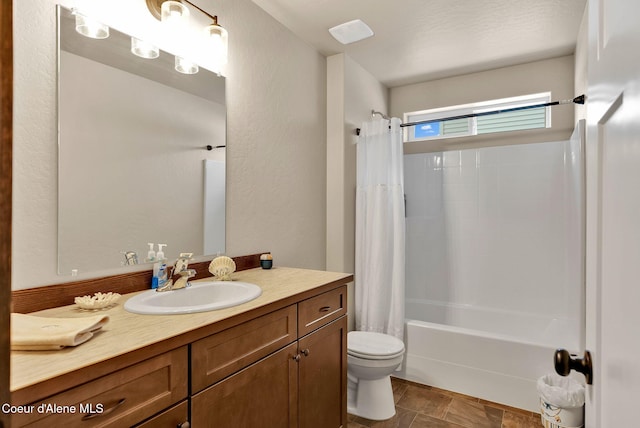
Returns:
<point x="577" y="100"/>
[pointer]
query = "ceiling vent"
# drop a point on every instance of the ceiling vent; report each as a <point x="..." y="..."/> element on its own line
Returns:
<point x="350" y="32"/>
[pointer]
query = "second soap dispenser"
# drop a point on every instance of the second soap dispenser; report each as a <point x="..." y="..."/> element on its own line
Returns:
<point x="151" y="255"/>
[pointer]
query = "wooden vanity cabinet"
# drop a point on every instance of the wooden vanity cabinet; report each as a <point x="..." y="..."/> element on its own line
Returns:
<point x="284" y="369"/>
<point x="303" y="384"/>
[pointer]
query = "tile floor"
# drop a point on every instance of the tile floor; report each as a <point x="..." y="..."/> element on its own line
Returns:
<point x="420" y="406"/>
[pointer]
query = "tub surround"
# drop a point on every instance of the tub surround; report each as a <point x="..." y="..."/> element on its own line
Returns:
<point x="489" y="314"/>
<point x="130" y="338"/>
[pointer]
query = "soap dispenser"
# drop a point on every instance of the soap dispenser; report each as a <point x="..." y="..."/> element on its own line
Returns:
<point x="160" y="274"/>
<point x="160" y="254"/>
<point x="151" y="255"/>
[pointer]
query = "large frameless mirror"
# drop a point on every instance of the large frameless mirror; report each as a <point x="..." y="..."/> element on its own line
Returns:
<point x="141" y="154"/>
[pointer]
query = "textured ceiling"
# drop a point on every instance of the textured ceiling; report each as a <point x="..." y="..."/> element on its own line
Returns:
<point x="419" y="40"/>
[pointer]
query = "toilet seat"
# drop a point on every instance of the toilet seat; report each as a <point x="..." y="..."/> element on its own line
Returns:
<point x="373" y="357"/>
<point x="373" y="346"/>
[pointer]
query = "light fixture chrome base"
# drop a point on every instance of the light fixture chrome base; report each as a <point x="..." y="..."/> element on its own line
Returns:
<point x="155" y="7"/>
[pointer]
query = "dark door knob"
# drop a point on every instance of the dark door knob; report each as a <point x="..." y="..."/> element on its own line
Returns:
<point x="565" y="362"/>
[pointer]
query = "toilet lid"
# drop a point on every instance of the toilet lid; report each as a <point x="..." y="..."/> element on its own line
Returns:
<point x="370" y="345"/>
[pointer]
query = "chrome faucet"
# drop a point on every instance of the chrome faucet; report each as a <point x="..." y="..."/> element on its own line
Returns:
<point x="130" y="258"/>
<point x="183" y="281"/>
<point x="180" y="269"/>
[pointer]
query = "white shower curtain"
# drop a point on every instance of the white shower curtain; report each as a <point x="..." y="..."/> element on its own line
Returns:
<point x="380" y="229"/>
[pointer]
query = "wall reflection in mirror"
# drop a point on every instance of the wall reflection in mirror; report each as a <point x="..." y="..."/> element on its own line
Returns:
<point x="133" y="165"/>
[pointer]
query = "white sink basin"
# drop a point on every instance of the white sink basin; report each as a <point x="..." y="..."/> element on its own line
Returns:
<point x="200" y="296"/>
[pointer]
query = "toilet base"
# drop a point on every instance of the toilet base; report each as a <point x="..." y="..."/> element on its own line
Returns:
<point x="371" y="399"/>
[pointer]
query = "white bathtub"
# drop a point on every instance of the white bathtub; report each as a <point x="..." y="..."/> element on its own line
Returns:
<point x="491" y="354"/>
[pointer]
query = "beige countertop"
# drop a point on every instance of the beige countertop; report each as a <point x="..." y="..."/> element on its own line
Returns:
<point x="128" y="332"/>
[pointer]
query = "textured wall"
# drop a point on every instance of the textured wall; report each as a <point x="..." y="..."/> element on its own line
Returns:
<point x="35" y="215"/>
<point x="276" y="128"/>
<point x="276" y="100"/>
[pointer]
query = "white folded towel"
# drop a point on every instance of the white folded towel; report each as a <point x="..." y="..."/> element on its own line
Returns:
<point x="33" y="333"/>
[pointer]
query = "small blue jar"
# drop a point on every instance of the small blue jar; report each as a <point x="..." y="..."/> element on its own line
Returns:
<point x="266" y="264"/>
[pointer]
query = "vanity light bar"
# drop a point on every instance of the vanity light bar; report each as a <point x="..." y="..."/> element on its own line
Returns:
<point x="165" y="11"/>
<point x="176" y="12"/>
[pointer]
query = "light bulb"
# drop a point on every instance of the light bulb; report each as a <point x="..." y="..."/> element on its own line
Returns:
<point x="144" y="49"/>
<point x="185" y="66"/>
<point x="174" y="13"/>
<point x="217" y="38"/>
<point x="89" y="27"/>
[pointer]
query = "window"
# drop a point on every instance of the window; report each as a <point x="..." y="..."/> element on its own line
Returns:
<point x="466" y="126"/>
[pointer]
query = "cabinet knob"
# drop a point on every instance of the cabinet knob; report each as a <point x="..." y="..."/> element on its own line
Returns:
<point x="324" y="309"/>
<point x="296" y="357"/>
<point x="305" y="352"/>
<point x="184" y="425"/>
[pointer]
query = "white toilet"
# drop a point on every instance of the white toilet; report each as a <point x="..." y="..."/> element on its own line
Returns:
<point x="371" y="358"/>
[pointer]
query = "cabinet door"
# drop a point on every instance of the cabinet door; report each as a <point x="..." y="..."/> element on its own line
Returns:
<point x="262" y="395"/>
<point x="322" y="393"/>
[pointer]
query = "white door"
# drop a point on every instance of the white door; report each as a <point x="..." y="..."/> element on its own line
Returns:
<point x="613" y="213"/>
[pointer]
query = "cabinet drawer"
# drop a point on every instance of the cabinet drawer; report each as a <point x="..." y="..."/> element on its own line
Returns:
<point x="218" y="356"/>
<point x="122" y="398"/>
<point x="174" y="417"/>
<point x="320" y="310"/>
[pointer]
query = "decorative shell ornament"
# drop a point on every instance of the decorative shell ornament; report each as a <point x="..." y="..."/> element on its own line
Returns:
<point x="222" y="267"/>
<point x="97" y="301"/>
